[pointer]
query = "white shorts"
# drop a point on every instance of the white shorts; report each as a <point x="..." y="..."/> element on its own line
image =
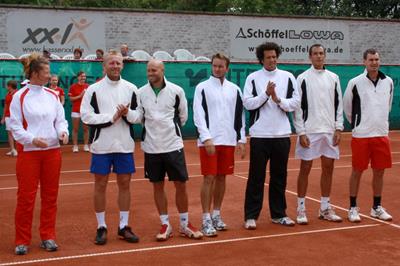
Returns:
<point x="7" y="122"/>
<point x="321" y="144"/>
<point x="75" y="115"/>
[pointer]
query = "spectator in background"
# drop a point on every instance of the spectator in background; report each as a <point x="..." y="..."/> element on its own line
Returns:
<point x="38" y="124"/>
<point x="125" y="51"/>
<point x="46" y="54"/>
<point x="54" y="86"/>
<point x="11" y="89"/>
<point x="75" y="94"/>
<point x="99" y="54"/>
<point x="77" y="54"/>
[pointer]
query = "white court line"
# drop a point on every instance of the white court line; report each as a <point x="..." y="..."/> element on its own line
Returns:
<point x="336" y="206"/>
<point x="241" y="239"/>
<point x="92" y="182"/>
<point x="143" y="179"/>
<point x="188" y="164"/>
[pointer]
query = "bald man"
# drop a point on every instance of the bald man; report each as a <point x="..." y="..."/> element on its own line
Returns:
<point x="164" y="108"/>
<point x="124" y="50"/>
<point x="109" y="107"/>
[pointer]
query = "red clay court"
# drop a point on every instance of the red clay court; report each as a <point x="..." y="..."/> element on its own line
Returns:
<point x="371" y="242"/>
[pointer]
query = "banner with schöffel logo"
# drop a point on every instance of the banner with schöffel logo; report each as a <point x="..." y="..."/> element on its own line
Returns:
<point x="59" y="32"/>
<point x="294" y="36"/>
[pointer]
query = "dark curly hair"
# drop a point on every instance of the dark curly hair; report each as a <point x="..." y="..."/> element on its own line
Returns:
<point x="267" y="46"/>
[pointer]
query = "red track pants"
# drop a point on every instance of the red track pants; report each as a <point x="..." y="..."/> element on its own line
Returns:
<point x="34" y="167"/>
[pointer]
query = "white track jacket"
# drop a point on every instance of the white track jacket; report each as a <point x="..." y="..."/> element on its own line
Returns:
<point x="163" y="116"/>
<point x="218" y="112"/>
<point x="98" y="107"/>
<point x="321" y="103"/>
<point x="43" y="114"/>
<point x="268" y="119"/>
<point x="367" y="105"/>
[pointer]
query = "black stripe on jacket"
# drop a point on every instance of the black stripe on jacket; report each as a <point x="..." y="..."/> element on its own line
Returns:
<point x="95" y="129"/>
<point x="238" y="123"/>
<point x="177" y="120"/>
<point x="133" y="106"/>
<point x="336" y="100"/>
<point x="255" y="114"/>
<point x="304" y="100"/>
<point x="356" y="108"/>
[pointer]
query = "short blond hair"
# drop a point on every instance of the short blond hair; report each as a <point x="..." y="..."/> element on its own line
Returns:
<point x="112" y="52"/>
<point x="221" y="56"/>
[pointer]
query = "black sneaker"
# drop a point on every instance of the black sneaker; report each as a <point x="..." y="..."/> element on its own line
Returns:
<point x="127" y="234"/>
<point x="21" y="250"/>
<point x="49" y="245"/>
<point x="101" y="236"/>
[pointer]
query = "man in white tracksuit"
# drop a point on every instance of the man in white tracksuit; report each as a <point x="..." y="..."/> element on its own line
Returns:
<point x="318" y="124"/>
<point x="367" y="103"/>
<point x="164" y="108"/>
<point x="269" y="94"/>
<point x="109" y="107"/>
<point x="219" y="118"/>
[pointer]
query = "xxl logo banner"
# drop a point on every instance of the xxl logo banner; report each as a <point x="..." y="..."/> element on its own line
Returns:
<point x="59" y="32"/>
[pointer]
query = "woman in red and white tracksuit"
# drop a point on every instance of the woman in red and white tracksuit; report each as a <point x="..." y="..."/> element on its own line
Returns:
<point x="37" y="123"/>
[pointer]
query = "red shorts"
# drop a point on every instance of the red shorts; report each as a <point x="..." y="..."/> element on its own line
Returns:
<point x="220" y="163"/>
<point x="376" y="149"/>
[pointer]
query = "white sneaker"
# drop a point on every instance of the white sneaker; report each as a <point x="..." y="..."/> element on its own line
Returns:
<point x="250" y="224"/>
<point x="165" y="232"/>
<point x="75" y="148"/>
<point x="329" y="215"/>
<point x="86" y="148"/>
<point x="218" y="224"/>
<point x="354" y="215"/>
<point x="301" y="217"/>
<point x="286" y="221"/>
<point x="381" y="214"/>
<point x="208" y="229"/>
<point x="190" y="231"/>
<point x="12" y="153"/>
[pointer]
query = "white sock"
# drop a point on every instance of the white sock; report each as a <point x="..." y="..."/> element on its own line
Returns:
<point x="301" y="203"/>
<point x="164" y="219"/>
<point x="123" y="219"/>
<point x="101" y="219"/>
<point x="325" y="203"/>
<point x="216" y="213"/>
<point x="206" y="216"/>
<point x="184" y="219"/>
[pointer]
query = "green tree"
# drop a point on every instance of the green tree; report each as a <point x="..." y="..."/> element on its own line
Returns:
<point x="344" y="8"/>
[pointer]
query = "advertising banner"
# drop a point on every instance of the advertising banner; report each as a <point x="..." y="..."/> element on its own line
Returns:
<point x="293" y="36"/>
<point x="59" y="32"/>
<point x="187" y="75"/>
